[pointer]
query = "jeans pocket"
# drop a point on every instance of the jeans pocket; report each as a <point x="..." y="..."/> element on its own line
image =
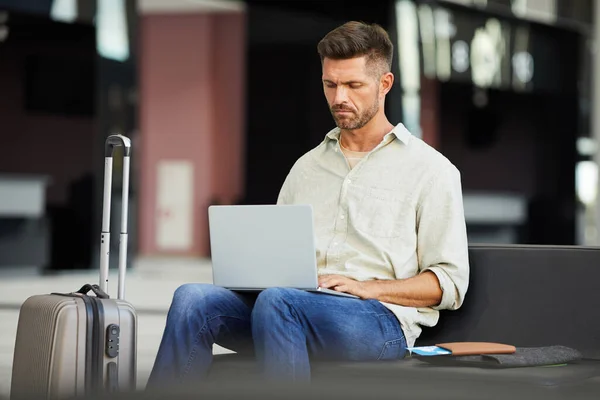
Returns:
<point x="393" y="350"/>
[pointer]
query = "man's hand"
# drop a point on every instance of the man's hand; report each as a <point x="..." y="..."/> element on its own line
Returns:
<point x="339" y="283"/>
<point x="422" y="290"/>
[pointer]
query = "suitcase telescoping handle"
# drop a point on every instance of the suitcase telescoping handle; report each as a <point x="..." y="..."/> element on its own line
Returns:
<point x="111" y="142"/>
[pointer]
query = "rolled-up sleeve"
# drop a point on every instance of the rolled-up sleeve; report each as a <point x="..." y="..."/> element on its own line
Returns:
<point x="442" y="245"/>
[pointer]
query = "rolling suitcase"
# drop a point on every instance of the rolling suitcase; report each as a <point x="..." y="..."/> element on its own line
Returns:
<point x="81" y="343"/>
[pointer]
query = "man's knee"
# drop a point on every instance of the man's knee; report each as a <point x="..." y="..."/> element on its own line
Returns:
<point x="193" y="297"/>
<point x="274" y="302"/>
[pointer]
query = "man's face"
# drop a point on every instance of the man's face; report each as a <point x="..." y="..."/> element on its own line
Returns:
<point x="352" y="92"/>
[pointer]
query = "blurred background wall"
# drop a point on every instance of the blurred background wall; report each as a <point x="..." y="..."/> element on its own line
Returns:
<point x="221" y="97"/>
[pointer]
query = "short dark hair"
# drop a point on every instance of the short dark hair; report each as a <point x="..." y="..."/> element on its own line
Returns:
<point x="357" y="39"/>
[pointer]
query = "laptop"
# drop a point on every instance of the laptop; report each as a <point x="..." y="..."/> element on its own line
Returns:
<point x="254" y="247"/>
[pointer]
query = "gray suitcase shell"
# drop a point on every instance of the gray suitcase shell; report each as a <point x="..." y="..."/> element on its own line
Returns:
<point x="77" y="344"/>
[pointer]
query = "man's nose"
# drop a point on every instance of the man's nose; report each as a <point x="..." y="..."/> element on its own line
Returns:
<point x="341" y="96"/>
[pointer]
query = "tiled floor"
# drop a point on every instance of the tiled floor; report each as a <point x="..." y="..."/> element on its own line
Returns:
<point x="150" y="286"/>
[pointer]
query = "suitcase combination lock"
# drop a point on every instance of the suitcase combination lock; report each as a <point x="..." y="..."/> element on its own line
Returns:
<point x="112" y="340"/>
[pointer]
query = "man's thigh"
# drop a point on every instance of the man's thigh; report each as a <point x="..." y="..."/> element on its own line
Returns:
<point x="345" y="328"/>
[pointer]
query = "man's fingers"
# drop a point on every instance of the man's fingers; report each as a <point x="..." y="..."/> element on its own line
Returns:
<point x="327" y="283"/>
<point x="329" y="280"/>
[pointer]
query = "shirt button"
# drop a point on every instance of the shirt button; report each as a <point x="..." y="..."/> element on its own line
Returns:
<point x="341" y="216"/>
<point x="348" y="181"/>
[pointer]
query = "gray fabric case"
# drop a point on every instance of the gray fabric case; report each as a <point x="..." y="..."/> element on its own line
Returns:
<point x="523" y="357"/>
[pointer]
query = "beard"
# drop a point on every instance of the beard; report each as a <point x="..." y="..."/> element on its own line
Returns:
<point x="355" y="120"/>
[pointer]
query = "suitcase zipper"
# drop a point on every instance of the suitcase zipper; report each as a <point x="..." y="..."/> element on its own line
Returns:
<point x="97" y="345"/>
<point x="89" y="312"/>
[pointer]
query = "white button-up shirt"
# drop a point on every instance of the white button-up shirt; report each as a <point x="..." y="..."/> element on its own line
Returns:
<point x="397" y="213"/>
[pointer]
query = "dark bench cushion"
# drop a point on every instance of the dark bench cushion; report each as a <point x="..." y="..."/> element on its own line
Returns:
<point x="414" y="379"/>
<point x="528" y="296"/>
<point x="411" y="369"/>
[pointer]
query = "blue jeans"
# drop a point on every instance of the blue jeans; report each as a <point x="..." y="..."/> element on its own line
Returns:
<point x="282" y="327"/>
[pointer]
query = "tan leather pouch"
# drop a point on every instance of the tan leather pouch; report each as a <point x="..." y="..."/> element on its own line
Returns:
<point x="475" y="348"/>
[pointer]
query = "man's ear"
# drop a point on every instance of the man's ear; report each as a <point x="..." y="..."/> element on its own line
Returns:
<point x="386" y="83"/>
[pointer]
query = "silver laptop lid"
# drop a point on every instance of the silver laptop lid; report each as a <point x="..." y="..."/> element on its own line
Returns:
<point x="262" y="246"/>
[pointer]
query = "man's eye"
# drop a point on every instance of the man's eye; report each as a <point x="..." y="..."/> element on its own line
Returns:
<point x="355" y="85"/>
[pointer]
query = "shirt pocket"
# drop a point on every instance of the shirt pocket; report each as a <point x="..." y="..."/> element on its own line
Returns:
<point x="379" y="213"/>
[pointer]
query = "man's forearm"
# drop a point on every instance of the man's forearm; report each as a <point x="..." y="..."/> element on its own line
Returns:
<point x="422" y="290"/>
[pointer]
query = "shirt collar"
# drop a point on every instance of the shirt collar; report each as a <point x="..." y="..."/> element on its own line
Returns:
<point x="399" y="132"/>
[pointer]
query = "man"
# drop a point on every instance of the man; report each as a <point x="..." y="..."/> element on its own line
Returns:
<point x="390" y="229"/>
